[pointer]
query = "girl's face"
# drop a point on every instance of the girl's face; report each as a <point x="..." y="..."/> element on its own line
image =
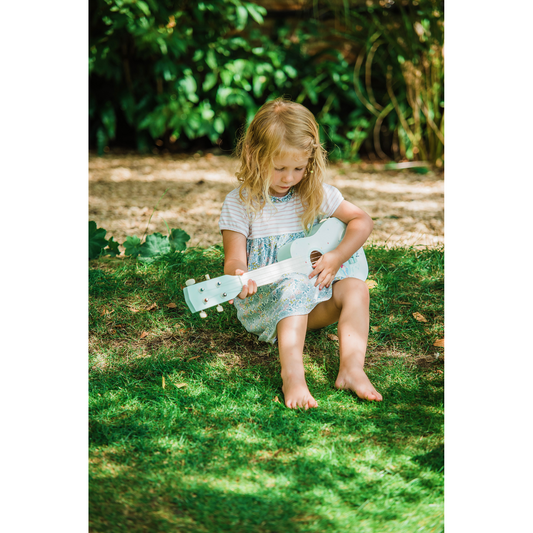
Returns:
<point x="288" y="172"/>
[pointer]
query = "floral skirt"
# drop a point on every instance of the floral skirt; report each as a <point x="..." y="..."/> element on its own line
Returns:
<point x="294" y="294"/>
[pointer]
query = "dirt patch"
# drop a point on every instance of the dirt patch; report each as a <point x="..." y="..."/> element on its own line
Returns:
<point x="407" y="208"/>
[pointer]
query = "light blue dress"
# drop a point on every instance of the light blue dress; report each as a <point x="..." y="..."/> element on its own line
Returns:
<point x="293" y="294"/>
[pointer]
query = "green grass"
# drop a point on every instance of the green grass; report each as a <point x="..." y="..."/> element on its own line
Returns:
<point x="219" y="454"/>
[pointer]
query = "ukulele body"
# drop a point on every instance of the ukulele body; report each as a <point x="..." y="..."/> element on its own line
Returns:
<point x="324" y="238"/>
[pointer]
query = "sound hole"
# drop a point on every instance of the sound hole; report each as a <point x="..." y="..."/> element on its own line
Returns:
<point x="315" y="256"/>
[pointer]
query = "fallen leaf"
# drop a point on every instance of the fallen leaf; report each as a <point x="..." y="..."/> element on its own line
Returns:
<point x="106" y="311"/>
<point x="276" y="399"/>
<point x="439" y="342"/>
<point x="144" y="334"/>
<point x="172" y="305"/>
<point x="370" y="283"/>
<point x="439" y="372"/>
<point x="152" y="307"/>
<point x="332" y="337"/>
<point x="181" y="385"/>
<point x="132" y="309"/>
<point x="419" y="317"/>
<point x="163" y="381"/>
<point x="376" y="328"/>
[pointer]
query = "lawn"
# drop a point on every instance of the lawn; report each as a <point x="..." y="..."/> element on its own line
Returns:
<point x="188" y="430"/>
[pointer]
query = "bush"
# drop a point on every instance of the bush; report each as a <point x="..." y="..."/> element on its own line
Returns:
<point x="172" y="73"/>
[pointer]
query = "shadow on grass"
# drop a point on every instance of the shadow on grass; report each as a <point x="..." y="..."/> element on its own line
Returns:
<point x="222" y="456"/>
<point x="219" y="454"/>
<point x="433" y="459"/>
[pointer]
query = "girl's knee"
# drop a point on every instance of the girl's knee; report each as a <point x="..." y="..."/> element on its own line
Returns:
<point x="351" y="289"/>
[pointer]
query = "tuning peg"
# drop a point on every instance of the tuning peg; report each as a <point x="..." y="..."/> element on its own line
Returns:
<point x="190" y="282"/>
<point x="203" y="314"/>
<point x="220" y="308"/>
<point x="207" y="276"/>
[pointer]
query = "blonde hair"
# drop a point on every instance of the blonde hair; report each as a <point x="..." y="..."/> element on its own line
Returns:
<point x="281" y="128"/>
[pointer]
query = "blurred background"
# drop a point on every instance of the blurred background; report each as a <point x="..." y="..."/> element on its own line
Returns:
<point x="173" y="83"/>
<point x="171" y="76"/>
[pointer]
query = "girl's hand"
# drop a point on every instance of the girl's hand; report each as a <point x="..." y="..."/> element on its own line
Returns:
<point x="248" y="290"/>
<point x="325" y="269"/>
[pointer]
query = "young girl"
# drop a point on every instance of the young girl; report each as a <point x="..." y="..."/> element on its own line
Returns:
<point x="281" y="197"/>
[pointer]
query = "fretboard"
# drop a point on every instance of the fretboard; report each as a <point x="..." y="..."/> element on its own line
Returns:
<point x="271" y="273"/>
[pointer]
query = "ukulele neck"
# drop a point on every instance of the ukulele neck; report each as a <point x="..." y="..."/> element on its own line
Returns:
<point x="269" y="274"/>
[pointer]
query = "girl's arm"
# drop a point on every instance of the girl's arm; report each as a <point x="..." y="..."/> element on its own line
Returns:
<point x="235" y="260"/>
<point x="358" y="227"/>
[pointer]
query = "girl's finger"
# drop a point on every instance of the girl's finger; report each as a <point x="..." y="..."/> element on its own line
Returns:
<point x="315" y="271"/>
<point x="252" y="287"/>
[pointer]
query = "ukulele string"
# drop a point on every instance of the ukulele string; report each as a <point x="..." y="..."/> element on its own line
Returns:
<point x="284" y="267"/>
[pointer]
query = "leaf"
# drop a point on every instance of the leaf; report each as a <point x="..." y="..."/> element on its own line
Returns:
<point x="218" y="125"/>
<point x="376" y="328"/>
<point x="143" y="6"/>
<point x="112" y="248"/>
<point x="210" y="81"/>
<point x="181" y="385"/>
<point x="178" y="239"/>
<point x="370" y="283"/>
<point x="172" y="305"/>
<point x="163" y="381"/>
<point x="143" y="335"/>
<point x="256" y="12"/>
<point x="332" y="337"/>
<point x="155" y="245"/>
<point x="133" y="246"/>
<point x="109" y="120"/>
<point x="276" y="399"/>
<point x="97" y="241"/>
<point x="242" y="17"/>
<point x="152" y="307"/>
<point x="439" y="343"/>
<point x="419" y="317"/>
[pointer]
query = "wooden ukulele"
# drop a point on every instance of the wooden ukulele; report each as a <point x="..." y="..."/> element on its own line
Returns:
<point x="297" y="256"/>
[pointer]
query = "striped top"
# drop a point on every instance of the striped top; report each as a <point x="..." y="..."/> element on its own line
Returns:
<point x="278" y="219"/>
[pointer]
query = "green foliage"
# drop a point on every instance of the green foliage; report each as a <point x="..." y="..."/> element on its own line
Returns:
<point x="155" y="247"/>
<point x="174" y="72"/>
<point x="97" y="240"/>
<point x="132" y="246"/>
<point x="112" y="248"/>
<point x="178" y="240"/>
<point x="404" y="49"/>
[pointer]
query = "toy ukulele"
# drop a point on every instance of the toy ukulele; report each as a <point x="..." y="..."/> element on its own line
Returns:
<point x="297" y="256"/>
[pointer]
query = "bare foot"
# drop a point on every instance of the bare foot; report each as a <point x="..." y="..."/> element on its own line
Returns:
<point x="297" y="394"/>
<point x="355" y="379"/>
